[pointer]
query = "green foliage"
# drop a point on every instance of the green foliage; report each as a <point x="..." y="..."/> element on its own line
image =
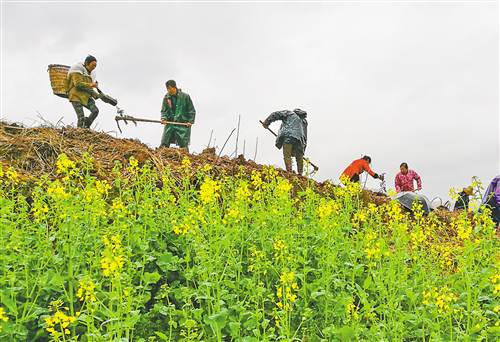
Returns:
<point x="150" y="257"/>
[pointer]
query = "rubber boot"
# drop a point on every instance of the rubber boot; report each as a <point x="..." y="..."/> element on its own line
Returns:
<point x="300" y="164"/>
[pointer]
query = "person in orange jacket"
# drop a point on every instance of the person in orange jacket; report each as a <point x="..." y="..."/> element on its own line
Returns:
<point x="357" y="167"/>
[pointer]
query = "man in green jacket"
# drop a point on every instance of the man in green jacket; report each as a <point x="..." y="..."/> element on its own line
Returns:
<point x="80" y="84"/>
<point x="177" y="107"/>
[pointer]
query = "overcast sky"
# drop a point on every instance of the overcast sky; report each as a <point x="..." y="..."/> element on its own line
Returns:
<point x="413" y="82"/>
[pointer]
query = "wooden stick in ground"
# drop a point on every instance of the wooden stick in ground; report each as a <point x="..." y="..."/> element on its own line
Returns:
<point x="237" y="137"/>
<point x="210" y="139"/>
<point x="222" y="149"/>
<point x="256" y="145"/>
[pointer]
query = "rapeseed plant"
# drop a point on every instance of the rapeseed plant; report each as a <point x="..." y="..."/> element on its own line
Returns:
<point x="112" y="258"/>
<point x="209" y="191"/>
<point x="86" y="291"/>
<point x="58" y="325"/>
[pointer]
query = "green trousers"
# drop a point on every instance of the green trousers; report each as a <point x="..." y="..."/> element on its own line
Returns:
<point x="82" y="120"/>
<point x="296" y="151"/>
<point x="176" y="134"/>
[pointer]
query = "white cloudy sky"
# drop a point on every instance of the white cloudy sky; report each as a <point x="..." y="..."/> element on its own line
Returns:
<point x="399" y="81"/>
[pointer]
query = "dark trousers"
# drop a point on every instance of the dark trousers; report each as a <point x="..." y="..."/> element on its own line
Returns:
<point x="295" y="150"/>
<point x="82" y="120"/>
<point x="355" y="178"/>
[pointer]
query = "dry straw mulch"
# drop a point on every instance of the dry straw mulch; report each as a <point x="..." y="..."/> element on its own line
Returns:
<point x="33" y="152"/>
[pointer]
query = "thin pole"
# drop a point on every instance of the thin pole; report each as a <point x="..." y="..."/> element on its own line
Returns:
<point x="210" y="140"/>
<point x="256" y="145"/>
<point x="222" y="149"/>
<point x="237" y="137"/>
<point x="244" y="142"/>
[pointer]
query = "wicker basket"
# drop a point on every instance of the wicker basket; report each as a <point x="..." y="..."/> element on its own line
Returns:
<point x="58" y="74"/>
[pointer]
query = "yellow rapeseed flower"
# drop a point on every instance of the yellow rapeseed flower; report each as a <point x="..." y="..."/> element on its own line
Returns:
<point x="282" y="188"/>
<point x="102" y="187"/>
<point x="86" y="291"/>
<point x="57" y="325"/>
<point x="279" y="247"/>
<point x="118" y="208"/>
<point x="186" y="163"/>
<point x="233" y="214"/>
<point x="64" y="165"/>
<point x="3" y="315"/>
<point x="285" y="291"/>
<point x="112" y="259"/>
<point x="181" y="229"/>
<point x="440" y="298"/>
<point x="12" y="175"/>
<point x="256" y="180"/>
<point x="134" y="163"/>
<point x="40" y="211"/>
<point x="327" y="209"/>
<point x="112" y="265"/>
<point x="269" y="173"/>
<point x="56" y="191"/>
<point x="243" y="192"/>
<point x="209" y="191"/>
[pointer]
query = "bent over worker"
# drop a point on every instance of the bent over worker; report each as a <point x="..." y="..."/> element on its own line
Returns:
<point x="357" y="167"/>
<point x="292" y="136"/>
<point x="462" y="202"/>
<point x="176" y="107"/>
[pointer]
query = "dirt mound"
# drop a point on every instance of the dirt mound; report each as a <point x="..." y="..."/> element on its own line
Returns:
<point x="33" y="151"/>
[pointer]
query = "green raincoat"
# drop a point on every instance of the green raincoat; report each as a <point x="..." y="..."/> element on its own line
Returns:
<point x="184" y="112"/>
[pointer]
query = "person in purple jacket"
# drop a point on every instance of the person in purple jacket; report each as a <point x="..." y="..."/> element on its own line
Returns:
<point x="491" y="199"/>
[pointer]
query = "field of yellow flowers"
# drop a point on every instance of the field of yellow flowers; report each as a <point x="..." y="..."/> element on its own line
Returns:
<point x="155" y="257"/>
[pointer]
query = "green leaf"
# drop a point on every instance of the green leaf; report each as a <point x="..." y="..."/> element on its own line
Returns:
<point x="346" y="333"/>
<point x="151" y="277"/>
<point x="234" y="328"/>
<point x="9" y="303"/>
<point x="167" y="262"/>
<point x="367" y="283"/>
<point x="161" y="335"/>
<point x="217" y="321"/>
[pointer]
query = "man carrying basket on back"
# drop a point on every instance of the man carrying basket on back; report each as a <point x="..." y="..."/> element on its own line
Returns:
<point x="80" y="85"/>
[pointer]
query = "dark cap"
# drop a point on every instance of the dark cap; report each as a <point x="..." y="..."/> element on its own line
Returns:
<point x="90" y="59"/>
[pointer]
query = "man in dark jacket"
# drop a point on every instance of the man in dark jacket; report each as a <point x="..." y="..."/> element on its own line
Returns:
<point x="292" y="136"/>
<point x="462" y="202"/>
<point x="177" y="107"/>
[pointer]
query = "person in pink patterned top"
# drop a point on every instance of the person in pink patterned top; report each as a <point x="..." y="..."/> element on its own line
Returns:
<point x="404" y="179"/>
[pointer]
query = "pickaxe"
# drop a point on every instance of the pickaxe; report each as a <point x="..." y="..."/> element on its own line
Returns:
<point x="126" y="118"/>
<point x="306" y="159"/>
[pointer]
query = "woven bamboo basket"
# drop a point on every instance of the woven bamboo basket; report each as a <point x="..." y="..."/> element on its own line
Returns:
<point x="58" y="74"/>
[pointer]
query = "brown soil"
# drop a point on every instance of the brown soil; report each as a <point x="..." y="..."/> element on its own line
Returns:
<point x="33" y="152"/>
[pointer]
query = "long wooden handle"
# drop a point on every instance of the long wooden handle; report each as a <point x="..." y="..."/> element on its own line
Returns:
<point x="128" y="118"/>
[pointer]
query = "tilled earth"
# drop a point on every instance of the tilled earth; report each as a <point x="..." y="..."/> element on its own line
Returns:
<point x="33" y="152"/>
